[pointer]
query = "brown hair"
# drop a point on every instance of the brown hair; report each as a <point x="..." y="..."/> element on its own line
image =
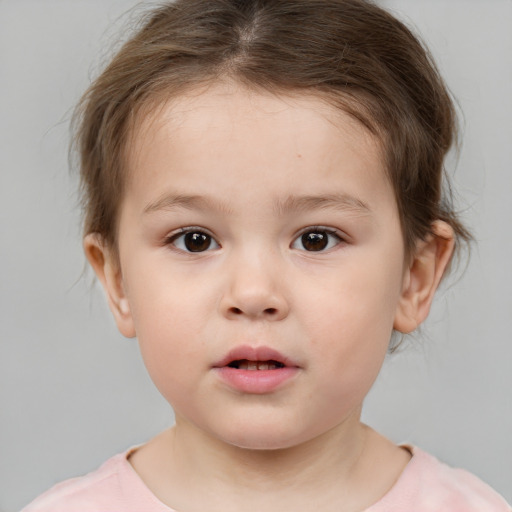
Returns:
<point x="350" y="52"/>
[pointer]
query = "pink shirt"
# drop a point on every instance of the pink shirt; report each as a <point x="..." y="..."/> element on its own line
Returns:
<point x="426" y="485"/>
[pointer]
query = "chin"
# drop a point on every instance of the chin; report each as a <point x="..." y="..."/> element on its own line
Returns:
<point x="261" y="444"/>
<point x="261" y="437"/>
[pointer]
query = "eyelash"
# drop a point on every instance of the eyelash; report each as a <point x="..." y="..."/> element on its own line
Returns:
<point x="331" y="234"/>
<point x="183" y="232"/>
<point x="208" y="240"/>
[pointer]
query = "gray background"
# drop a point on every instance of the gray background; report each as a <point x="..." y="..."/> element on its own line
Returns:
<point x="74" y="392"/>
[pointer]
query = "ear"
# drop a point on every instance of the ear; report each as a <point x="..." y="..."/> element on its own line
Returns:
<point x="422" y="277"/>
<point x="106" y="267"/>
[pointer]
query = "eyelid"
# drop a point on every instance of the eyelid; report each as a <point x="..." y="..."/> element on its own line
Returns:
<point x="341" y="236"/>
<point x="328" y="229"/>
<point x="170" y="239"/>
<point x="188" y="229"/>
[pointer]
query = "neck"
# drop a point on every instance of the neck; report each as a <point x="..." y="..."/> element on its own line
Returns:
<point x="333" y="455"/>
<point x="345" y="469"/>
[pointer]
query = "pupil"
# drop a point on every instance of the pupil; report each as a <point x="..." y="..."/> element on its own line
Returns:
<point x="314" y="241"/>
<point x="197" y="242"/>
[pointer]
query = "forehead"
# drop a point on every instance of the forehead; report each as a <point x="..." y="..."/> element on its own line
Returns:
<point x="214" y="131"/>
<point x="224" y="104"/>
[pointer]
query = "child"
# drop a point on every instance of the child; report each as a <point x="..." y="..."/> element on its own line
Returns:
<point x="262" y="189"/>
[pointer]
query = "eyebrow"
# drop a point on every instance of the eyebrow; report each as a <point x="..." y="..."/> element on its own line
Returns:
<point x="292" y="204"/>
<point x="341" y="202"/>
<point x="171" y="202"/>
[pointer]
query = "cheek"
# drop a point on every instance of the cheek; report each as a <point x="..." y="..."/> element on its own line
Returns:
<point x="172" y="353"/>
<point x="169" y="315"/>
<point x="351" y="318"/>
<point x="162" y="298"/>
<point x="360" y="298"/>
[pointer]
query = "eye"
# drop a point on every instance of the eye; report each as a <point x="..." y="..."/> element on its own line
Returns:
<point x="316" y="240"/>
<point x="193" y="240"/>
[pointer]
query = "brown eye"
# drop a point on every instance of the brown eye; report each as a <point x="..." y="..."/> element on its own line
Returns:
<point x="197" y="242"/>
<point x="316" y="240"/>
<point x="193" y="241"/>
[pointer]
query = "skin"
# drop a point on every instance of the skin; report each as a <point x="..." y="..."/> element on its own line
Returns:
<point x="254" y="172"/>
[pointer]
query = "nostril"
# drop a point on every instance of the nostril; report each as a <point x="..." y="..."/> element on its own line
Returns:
<point x="267" y="311"/>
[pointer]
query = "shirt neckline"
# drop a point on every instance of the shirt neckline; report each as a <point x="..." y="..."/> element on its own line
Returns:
<point x="132" y="480"/>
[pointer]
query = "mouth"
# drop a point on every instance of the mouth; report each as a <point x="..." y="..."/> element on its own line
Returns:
<point x="245" y="364"/>
<point x="255" y="370"/>
<point x="246" y="357"/>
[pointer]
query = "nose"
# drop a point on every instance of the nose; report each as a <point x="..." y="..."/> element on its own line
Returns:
<point x="254" y="289"/>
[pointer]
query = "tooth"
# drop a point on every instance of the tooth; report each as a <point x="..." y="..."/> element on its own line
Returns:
<point x="272" y="366"/>
<point x="252" y="365"/>
<point x="262" y="366"/>
<point x="243" y="365"/>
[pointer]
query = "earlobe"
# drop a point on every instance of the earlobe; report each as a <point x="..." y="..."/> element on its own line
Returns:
<point x="423" y="276"/>
<point x="107" y="270"/>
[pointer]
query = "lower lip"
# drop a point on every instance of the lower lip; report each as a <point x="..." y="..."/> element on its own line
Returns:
<point x="256" y="382"/>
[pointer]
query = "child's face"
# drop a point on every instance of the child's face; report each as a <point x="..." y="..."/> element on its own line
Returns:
<point x="294" y="245"/>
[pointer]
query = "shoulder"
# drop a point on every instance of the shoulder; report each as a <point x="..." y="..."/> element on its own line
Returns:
<point x="428" y="485"/>
<point x="456" y="489"/>
<point x="113" y="487"/>
<point x="99" y="488"/>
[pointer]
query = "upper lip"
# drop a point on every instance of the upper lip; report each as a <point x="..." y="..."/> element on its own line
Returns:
<point x="250" y="353"/>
